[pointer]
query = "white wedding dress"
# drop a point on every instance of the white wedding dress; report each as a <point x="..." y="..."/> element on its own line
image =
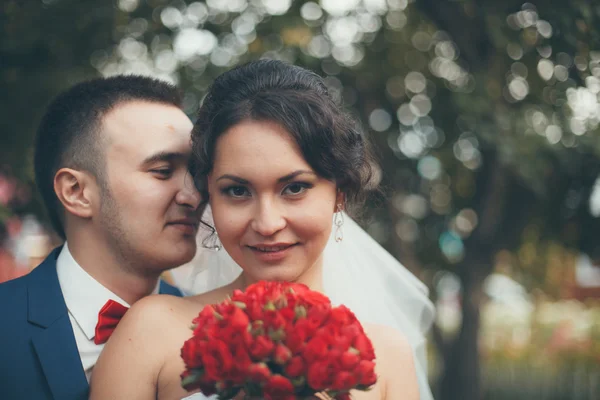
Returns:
<point x="358" y="273"/>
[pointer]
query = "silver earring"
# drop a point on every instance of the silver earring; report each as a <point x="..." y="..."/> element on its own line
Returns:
<point x="212" y="242"/>
<point x="338" y="221"/>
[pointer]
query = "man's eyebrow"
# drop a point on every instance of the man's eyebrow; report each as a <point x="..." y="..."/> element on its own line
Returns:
<point x="165" y="156"/>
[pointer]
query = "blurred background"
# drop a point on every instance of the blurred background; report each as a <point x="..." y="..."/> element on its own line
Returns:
<point x="485" y="115"/>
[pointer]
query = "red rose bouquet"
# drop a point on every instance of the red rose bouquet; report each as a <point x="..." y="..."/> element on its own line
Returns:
<point x="277" y="341"/>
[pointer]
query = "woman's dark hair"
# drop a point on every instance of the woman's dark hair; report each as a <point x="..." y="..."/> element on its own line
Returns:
<point x="330" y="140"/>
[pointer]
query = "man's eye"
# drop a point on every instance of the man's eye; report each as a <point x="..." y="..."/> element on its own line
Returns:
<point x="297" y="188"/>
<point x="162" y="172"/>
<point x="236" y="191"/>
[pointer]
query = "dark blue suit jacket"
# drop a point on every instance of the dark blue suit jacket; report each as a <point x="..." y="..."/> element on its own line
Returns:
<point x="38" y="354"/>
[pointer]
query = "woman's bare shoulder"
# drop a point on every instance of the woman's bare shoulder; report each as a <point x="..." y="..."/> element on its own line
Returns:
<point x="213" y="297"/>
<point x="387" y="338"/>
<point x="145" y="320"/>
<point x="393" y="355"/>
<point x="147" y="339"/>
<point x="158" y="308"/>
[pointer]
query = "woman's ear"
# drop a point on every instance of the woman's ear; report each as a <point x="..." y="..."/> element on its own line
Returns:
<point x="74" y="190"/>
<point x="340" y="202"/>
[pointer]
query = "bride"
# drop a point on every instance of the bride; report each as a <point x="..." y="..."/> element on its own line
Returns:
<point x="279" y="163"/>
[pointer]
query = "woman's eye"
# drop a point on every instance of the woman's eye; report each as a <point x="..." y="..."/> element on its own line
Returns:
<point x="236" y="191"/>
<point x="296" y="188"/>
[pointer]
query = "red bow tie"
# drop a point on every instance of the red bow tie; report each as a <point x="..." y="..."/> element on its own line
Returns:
<point x="108" y="318"/>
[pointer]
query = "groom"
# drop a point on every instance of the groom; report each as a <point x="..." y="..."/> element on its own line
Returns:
<point x="111" y="164"/>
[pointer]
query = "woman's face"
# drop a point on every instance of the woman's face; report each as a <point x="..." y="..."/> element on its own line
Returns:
<point x="272" y="212"/>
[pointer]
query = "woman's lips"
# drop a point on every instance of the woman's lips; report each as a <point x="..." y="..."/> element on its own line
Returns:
<point x="271" y="252"/>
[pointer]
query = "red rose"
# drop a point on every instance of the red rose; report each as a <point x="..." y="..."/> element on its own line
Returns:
<point x="277" y="387"/>
<point x="274" y="320"/>
<point x="190" y="352"/>
<point x="217" y="360"/>
<point x="352" y="330"/>
<point x="261" y="347"/>
<point x="364" y="346"/>
<point x="333" y="337"/>
<point x="288" y="314"/>
<point x="298" y="334"/>
<point x="349" y="360"/>
<point x="316" y="315"/>
<point x="282" y="354"/>
<point x="242" y="363"/>
<point x="295" y="367"/>
<point x="234" y="336"/>
<point x="365" y="372"/>
<point x="314" y="298"/>
<point x="315" y="349"/>
<point x="344" y="381"/>
<point x="273" y="336"/>
<point x="253" y="309"/>
<point x="341" y="315"/>
<point x="259" y="372"/>
<point x="237" y="318"/>
<point x="320" y="375"/>
<point x="256" y="289"/>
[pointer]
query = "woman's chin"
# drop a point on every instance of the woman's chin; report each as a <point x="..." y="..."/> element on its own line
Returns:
<point x="274" y="273"/>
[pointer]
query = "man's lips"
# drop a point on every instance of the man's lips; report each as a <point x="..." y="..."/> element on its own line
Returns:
<point x="187" y="225"/>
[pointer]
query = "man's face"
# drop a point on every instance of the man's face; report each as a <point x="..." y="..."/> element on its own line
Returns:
<point x="148" y="211"/>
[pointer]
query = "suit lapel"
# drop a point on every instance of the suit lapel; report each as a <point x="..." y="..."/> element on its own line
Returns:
<point x="54" y="341"/>
<point x="166" y="288"/>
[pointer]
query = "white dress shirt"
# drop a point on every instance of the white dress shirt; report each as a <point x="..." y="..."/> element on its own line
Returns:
<point x="84" y="297"/>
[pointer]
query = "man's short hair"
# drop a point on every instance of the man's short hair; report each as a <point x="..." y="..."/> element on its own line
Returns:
<point x="68" y="134"/>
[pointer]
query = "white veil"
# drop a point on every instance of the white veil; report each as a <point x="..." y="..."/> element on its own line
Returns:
<point x="357" y="272"/>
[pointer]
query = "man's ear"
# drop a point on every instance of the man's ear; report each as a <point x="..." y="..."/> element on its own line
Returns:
<point x="75" y="190"/>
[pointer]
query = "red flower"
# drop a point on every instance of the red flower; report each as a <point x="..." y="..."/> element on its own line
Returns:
<point x="321" y="374"/>
<point x="364" y="347"/>
<point x="274" y="320"/>
<point x="344" y="381"/>
<point x="333" y="337"/>
<point x="261" y="347"/>
<point x="282" y="354"/>
<point x="315" y="350"/>
<point x="297" y="335"/>
<point x="342" y="315"/>
<point x="191" y="354"/>
<point x="366" y="373"/>
<point x="217" y="360"/>
<point x="314" y="298"/>
<point x="317" y="315"/>
<point x="236" y="317"/>
<point x="274" y="339"/>
<point x="295" y="367"/>
<point x="242" y="364"/>
<point x="349" y="360"/>
<point x="277" y="387"/>
<point x="259" y="372"/>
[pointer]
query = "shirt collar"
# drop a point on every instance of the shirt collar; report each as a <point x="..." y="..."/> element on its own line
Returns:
<point x="84" y="295"/>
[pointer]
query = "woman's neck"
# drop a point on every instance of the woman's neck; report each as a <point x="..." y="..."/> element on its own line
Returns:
<point x="312" y="277"/>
